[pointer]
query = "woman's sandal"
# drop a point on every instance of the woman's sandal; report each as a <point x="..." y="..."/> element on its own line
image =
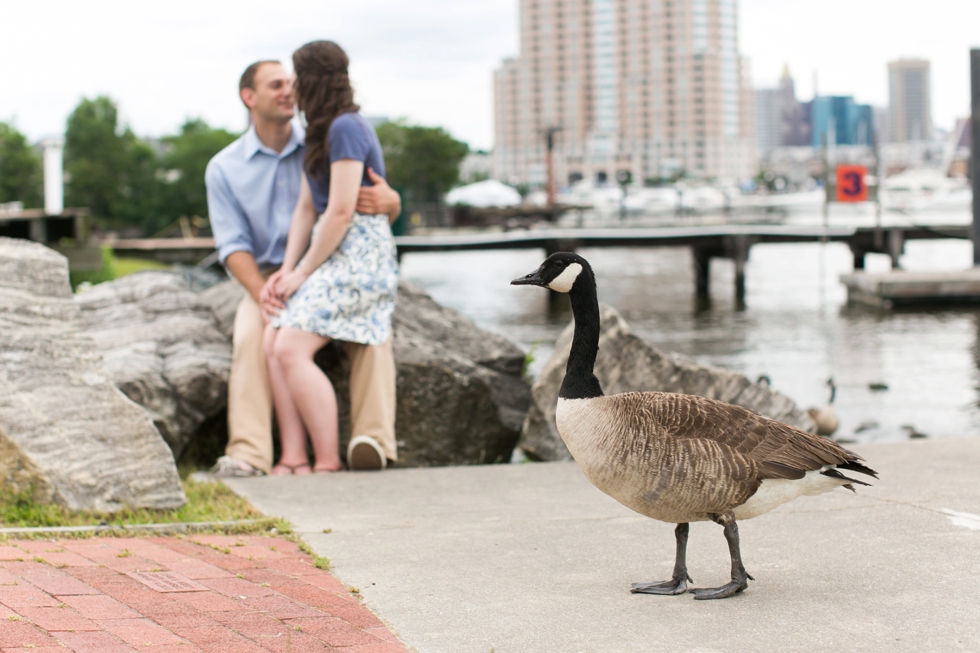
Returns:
<point x="329" y="471"/>
<point x="293" y="469"/>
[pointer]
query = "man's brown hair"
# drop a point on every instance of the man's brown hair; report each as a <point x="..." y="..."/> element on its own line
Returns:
<point x="248" y="77"/>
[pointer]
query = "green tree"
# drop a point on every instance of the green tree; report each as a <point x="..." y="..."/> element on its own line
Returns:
<point x="422" y="161"/>
<point x="20" y="169"/>
<point x="95" y="156"/>
<point x="187" y="156"/>
<point x="109" y="170"/>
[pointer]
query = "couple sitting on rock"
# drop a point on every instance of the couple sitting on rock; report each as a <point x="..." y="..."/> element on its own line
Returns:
<point x="302" y="222"/>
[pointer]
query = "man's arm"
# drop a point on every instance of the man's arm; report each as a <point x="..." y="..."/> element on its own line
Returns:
<point x="242" y="266"/>
<point x="231" y="235"/>
<point x="379" y="198"/>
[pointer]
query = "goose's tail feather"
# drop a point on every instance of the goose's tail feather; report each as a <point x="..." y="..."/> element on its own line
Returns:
<point x="833" y="473"/>
<point x="855" y="466"/>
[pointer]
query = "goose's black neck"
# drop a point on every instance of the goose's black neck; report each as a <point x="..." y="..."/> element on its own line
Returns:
<point x="580" y="381"/>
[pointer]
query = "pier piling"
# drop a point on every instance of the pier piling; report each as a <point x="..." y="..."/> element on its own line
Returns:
<point x="975" y="150"/>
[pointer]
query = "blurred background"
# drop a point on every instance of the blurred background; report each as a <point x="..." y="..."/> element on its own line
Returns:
<point x="535" y="114"/>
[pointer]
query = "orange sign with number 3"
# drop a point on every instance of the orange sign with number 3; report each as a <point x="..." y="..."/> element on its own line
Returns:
<point x="850" y="184"/>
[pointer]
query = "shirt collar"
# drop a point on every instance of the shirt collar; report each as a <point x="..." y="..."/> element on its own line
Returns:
<point x="254" y="145"/>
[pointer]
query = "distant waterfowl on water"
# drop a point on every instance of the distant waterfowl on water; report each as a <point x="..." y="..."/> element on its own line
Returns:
<point x="825" y="418"/>
<point x="680" y="458"/>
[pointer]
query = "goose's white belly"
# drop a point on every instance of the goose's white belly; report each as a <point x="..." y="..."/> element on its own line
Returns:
<point x="776" y="491"/>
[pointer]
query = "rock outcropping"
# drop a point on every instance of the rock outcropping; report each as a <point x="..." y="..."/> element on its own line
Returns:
<point x="460" y="396"/>
<point x="67" y="434"/>
<point x="163" y="347"/>
<point x="627" y="364"/>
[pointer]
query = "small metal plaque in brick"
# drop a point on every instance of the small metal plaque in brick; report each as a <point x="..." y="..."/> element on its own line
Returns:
<point x="166" y="581"/>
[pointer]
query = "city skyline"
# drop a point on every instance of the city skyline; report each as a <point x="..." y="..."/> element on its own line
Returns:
<point x="652" y="89"/>
<point x="430" y="61"/>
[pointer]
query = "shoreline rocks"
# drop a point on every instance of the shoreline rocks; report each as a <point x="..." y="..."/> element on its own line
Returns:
<point x="67" y="434"/>
<point x="626" y="363"/>
<point x="163" y="347"/>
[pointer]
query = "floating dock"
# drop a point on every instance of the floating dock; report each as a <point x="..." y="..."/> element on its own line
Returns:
<point x="899" y="288"/>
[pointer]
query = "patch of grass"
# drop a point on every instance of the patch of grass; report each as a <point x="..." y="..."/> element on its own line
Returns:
<point x="320" y="562"/>
<point x="529" y="359"/>
<point x="205" y="502"/>
<point x="113" y="268"/>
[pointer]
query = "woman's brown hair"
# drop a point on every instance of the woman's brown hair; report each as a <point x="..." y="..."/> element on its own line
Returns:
<point x="323" y="92"/>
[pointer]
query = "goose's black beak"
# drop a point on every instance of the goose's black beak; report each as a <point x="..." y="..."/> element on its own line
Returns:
<point x="533" y="279"/>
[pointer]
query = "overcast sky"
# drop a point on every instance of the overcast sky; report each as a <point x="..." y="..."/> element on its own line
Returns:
<point x="430" y="61"/>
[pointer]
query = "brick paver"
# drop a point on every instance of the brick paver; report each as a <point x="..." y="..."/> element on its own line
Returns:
<point x="264" y="594"/>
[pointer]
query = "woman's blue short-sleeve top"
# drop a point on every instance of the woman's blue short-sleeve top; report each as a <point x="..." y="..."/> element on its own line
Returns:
<point x="350" y="136"/>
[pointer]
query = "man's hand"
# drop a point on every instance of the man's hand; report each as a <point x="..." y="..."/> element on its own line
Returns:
<point x="379" y="198"/>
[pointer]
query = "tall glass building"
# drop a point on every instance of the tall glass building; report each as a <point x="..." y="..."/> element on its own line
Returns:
<point x="841" y="121"/>
<point x="653" y="87"/>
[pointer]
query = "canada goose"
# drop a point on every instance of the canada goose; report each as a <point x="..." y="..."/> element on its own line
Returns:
<point x="825" y="418"/>
<point x="679" y="458"/>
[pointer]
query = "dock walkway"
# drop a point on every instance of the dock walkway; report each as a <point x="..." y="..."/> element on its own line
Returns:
<point x="532" y="559"/>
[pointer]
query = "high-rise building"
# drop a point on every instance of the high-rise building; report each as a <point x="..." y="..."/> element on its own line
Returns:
<point x="841" y="121"/>
<point x="781" y="120"/>
<point x="651" y="87"/>
<point x="910" y="100"/>
<point x="768" y="119"/>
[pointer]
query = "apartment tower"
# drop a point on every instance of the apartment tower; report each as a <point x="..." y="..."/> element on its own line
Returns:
<point x="909" y="101"/>
<point x="653" y="87"/>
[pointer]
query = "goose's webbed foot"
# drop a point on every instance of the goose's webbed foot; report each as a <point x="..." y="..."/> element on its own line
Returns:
<point x="723" y="592"/>
<point x="740" y="578"/>
<point x="666" y="588"/>
<point x="679" y="580"/>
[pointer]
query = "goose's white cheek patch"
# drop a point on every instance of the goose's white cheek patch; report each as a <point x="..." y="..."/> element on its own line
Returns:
<point x="564" y="281"/>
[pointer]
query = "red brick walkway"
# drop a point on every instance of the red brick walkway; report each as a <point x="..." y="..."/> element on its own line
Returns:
<point x="223" y="593"/>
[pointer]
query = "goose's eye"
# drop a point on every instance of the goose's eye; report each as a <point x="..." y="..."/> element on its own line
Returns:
<point x="560" y="263"/>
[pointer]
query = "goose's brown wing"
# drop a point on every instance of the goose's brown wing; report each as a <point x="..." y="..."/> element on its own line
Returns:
<point x="773" y="449"/>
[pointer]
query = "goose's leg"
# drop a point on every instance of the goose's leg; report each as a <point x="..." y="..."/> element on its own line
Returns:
<point x="740" y="579"/>
<point x="678" y="582"/>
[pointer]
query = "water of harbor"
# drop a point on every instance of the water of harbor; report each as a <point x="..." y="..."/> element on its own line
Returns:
<point x="796" y="327"/>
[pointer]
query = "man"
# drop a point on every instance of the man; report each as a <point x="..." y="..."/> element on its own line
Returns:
<point x="253" y="186"/>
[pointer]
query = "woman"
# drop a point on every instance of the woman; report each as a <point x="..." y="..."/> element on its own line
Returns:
<point x="343" y="285"/>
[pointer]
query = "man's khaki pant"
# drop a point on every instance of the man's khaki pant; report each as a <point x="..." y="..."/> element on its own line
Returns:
<point x="372" y="392"/>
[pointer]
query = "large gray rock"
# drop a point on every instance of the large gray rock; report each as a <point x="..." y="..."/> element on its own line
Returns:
<point x="163" y="347"/>
<point x="460" y="395"/>
<point x="626" y="363"/>
<point x="67" y="434"/>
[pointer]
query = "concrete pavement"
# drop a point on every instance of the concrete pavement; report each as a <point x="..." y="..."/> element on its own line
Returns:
<point x="532" y="559"/>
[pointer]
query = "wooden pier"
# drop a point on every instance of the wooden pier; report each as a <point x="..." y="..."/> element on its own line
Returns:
<point x="899" y="288"/>
<point x="706" y="242"/>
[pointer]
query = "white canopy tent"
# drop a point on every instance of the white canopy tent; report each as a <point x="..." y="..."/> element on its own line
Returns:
<point x="484" y="194"/>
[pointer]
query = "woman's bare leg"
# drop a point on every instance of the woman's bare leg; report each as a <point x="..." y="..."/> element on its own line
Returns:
<point x="311" y="391"/>
<point x="292" y="434"/>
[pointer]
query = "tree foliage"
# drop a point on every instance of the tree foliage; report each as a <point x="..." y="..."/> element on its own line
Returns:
<point x="126" y="181"/>
<point x="20" y="169"/>
<point x="187" y="155"/>
<point x="109" y="170"/>
<point x="422" y="161"/>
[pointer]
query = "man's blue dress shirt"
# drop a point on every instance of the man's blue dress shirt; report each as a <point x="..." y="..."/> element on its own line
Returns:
<point x="252" y="191"/>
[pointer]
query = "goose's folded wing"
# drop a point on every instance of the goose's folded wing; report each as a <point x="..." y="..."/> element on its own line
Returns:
<point x="777" y="450"/>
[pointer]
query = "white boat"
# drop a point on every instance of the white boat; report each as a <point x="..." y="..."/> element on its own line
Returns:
<point x="925" y="189"/>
